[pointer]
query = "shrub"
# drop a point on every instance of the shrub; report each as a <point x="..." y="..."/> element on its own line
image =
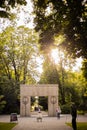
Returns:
<point x="65" y="109"/>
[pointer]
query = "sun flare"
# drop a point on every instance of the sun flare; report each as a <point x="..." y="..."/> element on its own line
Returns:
<point x="55" y="55"/>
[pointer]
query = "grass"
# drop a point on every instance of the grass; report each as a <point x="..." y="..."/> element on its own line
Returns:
<point x="7" y="126"/>
<point x="80" y="125"/>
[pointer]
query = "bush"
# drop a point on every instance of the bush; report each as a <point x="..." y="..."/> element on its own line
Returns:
<point x="2" y="103"/>
<point x="65" y="109"/>
<point x="81" y="112"/>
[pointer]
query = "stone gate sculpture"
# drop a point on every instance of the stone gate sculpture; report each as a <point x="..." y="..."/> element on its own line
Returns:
<point x="27" y="91"/>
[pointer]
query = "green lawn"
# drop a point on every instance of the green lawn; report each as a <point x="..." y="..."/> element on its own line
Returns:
<point x="80" y="125"/>
<point x="7" y="126"/>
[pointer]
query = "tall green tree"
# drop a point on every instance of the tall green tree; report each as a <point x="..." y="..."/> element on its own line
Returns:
<point x="18" y="52"/>
<point x="66" y="18"/>
<point x="72" y="85"/>
<point x="51" y="75"/>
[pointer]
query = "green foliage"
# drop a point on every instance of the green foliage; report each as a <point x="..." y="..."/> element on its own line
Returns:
<point x="84" y="68"/>
<point x="2" y="103"/>
<point x="18" y="52"/>
<point x="10" y="92"/>
<point x="83" y="104"/>
<point x="49" y="74"/>
<point x="65" y="108"/>
<point x="66" y="18"/>
<point x="7" y="126"/>
<point x="81" y="112"/>
<point x="74" y="85"/>
<point x="6" y="6"/>
<point x="17" y="49"/>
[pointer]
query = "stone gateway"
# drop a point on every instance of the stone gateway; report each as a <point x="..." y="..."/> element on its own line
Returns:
<point x="27" y="91"/>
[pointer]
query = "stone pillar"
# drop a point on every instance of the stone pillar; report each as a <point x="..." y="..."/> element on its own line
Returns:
<point x="52" y="105"/>
<point x="25" y="106"/>
<point x="28" y="106"/>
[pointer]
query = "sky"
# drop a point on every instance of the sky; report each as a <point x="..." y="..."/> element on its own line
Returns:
<point x="28" y="16"/>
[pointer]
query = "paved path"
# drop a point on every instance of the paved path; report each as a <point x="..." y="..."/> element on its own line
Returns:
<point x="48" y="123"/>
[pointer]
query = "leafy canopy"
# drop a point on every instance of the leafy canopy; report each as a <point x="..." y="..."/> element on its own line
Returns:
<point x="64" y="17"/>
<point x="6" y="5"/>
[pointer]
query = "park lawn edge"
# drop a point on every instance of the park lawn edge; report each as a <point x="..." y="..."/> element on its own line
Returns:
<point x="80" y="125"/>
<point x="7" y="125"/>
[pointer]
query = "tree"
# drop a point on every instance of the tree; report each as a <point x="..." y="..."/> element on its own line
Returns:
<point x="65" y="17"/>
<point x="5" y="6"/>
<point x="72" y="85"/>
<point x="18" y="52"/>
<point x="51" y="75"/>
<point x="84" y="68"/>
